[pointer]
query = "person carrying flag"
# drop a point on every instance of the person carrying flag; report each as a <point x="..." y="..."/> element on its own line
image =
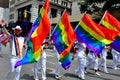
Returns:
<point x="16" y="46"/>
<point x="81" y="56"/>
<point x="42" y="62"/>
<point x="103" y="57"/>
<point x="116" y="56"/>
<point x="92" y="59"/>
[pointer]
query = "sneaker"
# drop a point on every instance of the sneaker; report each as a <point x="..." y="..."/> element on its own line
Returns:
<point x="106" y="72"/>
<point x="57" y="76"/>
<point x="36" y="79"/>
<point x="85" y="72"/>
<point x="115" y="68"/>
<point x="97" y="74"/>
<point x="75" y="73"/>
<point x="82" y="77"/>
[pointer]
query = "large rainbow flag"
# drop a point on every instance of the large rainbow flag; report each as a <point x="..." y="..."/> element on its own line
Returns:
<point x="63" y="38"/>
<point x="112" y="23"/>
<point x="38" y="33"/>
<point x="93" y="35"/>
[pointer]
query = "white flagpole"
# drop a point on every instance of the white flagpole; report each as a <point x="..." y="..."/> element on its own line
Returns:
<point x="103" y="17"/>
<point x="80" y="20"/>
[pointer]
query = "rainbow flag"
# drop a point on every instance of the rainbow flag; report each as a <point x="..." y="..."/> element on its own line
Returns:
<point x="112" y="23"/>
<point x="63" y="38"/>
<point x="38" y="33"/>
<point x="3" y="39"/>
<point x="93" y="35"/>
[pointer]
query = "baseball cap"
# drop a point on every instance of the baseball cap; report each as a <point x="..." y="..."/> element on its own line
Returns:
<point x="17" y="27"/>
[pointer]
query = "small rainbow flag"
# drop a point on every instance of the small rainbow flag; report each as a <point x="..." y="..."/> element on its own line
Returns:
<point x="38" y="33"/>
<point x="3" y="39"/>
<point x="63" y="38"/>
<point x="112" y="23"/>
<point x="93" y="35"/>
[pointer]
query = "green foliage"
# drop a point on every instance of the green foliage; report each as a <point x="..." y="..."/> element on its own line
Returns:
<point x="95" y="1"/>
<point x="91" y="7"/>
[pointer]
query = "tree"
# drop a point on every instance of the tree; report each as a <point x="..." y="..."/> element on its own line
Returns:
<point x="89" y="5"/>
<point x="111" y="5"/>
<point x="98" y="7"/>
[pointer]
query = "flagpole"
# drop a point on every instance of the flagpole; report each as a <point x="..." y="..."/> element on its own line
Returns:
<point x="103" y="17"/>
<point x="80" y="20"/>
<point x="59" y="21"/>
<point x="50" y="16"/>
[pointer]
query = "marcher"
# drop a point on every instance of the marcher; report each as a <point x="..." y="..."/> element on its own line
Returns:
<point x="58" y="66"/>
<point x="0" y="43"/>
<point x="92" y="59"/>
<point x="42" y="62"/>
<point x="16" y="46"/>
<point x="116" y="57"/>
<point x="103" y="57"/>
<point x="0" y="48"/>
<point x="81" y="56"/>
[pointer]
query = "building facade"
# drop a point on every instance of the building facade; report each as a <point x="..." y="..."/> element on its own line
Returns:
<point x="4" y="3"/>
<point x="4" y="10"/>
<point x="28" y="10"/>
<point x="75" y="7"/>
<point x="4" y="14"/>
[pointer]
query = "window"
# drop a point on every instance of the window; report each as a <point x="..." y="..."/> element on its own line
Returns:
<point x="11" y="16"/>
<point x="54" y="1"/>
<point x="53" y="13"/>
<point x="64" y="3"/>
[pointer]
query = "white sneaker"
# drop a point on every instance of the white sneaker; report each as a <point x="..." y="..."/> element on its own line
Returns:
<point x="106" y="72"/>
<point x="76" y="73"/>
<point x="57" y="76"/>
<point x="85" y="72"/>
<point x="36" y="79"/>
<point x="97" y="74"/>
<point x="82" y="77"/>
<point x="115" y="68"/>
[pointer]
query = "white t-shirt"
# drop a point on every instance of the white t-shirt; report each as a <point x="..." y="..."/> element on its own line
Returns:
<point x="13" y="46"/>
<point x="115" y="52"/>
<point x="103" y="54"/>
<point x="80" y="52"/>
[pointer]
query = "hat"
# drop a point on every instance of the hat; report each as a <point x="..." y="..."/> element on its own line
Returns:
<point x="17" y="27"/>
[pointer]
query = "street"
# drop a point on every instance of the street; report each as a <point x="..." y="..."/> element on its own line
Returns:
<point x="27" y="70"/>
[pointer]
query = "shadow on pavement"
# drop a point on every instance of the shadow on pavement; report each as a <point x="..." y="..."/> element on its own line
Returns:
<point x="95" y="76"/>
<point x="70" y="75"/>
<point x="50" y="75"/>
<point x="27" y="77"/>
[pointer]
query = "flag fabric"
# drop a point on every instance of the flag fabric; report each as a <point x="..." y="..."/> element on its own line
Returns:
<point x="63" y="38"/>
<point x="38" y="33"/>
<point x="93" y="35"/>
<point x="112" y="23"/>
<point x="3" y="39"/>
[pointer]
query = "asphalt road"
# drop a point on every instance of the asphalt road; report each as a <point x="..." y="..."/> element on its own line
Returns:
<point x="27" y="70"/>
